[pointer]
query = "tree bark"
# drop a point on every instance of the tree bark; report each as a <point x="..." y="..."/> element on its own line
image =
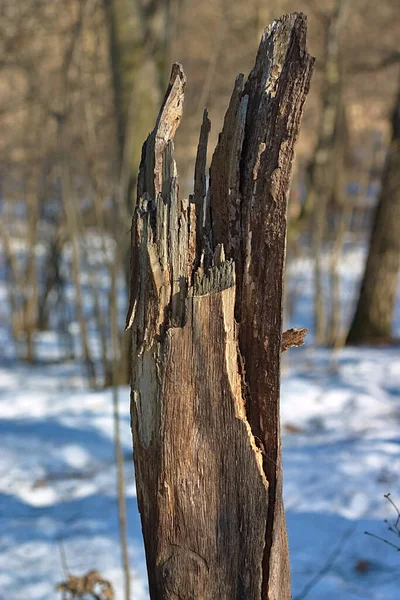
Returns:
<point x="206" y="317"/>
<point x="372" y="322"/>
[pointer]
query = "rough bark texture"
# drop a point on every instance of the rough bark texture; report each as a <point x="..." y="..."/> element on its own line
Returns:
<point x="372" y="321"/>
<point x="206" y="318"/>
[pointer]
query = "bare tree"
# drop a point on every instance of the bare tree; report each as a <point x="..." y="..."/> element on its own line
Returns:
<point x="372" y="322"/>
<point x="139" y="36"/>
<point x="321" y="170"/>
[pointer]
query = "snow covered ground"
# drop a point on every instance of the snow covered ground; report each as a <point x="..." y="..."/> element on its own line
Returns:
<point x="341" y="443"/>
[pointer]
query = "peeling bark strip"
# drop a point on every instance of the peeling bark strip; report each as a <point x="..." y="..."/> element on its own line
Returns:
<point x="206" y="318"/>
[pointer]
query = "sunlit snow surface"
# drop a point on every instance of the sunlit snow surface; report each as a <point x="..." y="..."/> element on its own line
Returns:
<point x="341" y="446"/>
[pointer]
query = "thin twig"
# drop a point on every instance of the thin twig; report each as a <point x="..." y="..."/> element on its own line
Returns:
<point x="117" y="435"/>
<point x="327" y="565"/>
<point x="395" y="525"/>
<point x="63" y="557"/>
<point x="381" y="539"/>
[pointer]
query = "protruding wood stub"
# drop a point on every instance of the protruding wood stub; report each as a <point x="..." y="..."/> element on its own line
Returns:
<point x="293" y="338"/>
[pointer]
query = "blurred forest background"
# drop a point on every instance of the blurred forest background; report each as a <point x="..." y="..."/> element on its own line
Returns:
<point x="81" y="83"/>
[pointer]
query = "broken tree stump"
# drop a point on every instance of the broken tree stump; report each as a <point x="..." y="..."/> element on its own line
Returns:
<point x="206" y="318"/>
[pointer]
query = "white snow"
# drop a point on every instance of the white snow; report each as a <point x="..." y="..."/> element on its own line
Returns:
<point x="341" y="446"/>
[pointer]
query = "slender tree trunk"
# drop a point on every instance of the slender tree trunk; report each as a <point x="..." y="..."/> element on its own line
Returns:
<point x="52" y="278"/>
<point x="101" y="319"/>
<point x="137" y="66"/>
<point x="14" y="282"/>
<point x="335" y="259"/>
<point x="342" y="210"/>
<point x="70" y="208"/>
<point x="365" y="178"/>
<point x="22" y="282"/>
<point x="31" y="299"/>
<point x="119" y="457"/>
<point x="321" y="170"/>
<point x="372" y="322"/>
<point x="206" y="317"/>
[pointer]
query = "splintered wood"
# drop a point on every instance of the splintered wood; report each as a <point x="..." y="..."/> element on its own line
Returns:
<point x="206" y="318"/>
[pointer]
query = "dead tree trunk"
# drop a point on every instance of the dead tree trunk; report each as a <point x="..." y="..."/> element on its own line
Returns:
<point x="372" y="321"/>
<point x="206" y="317"/>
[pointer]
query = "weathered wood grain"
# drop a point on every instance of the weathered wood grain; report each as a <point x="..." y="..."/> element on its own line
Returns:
<point x="206" y="318"/>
